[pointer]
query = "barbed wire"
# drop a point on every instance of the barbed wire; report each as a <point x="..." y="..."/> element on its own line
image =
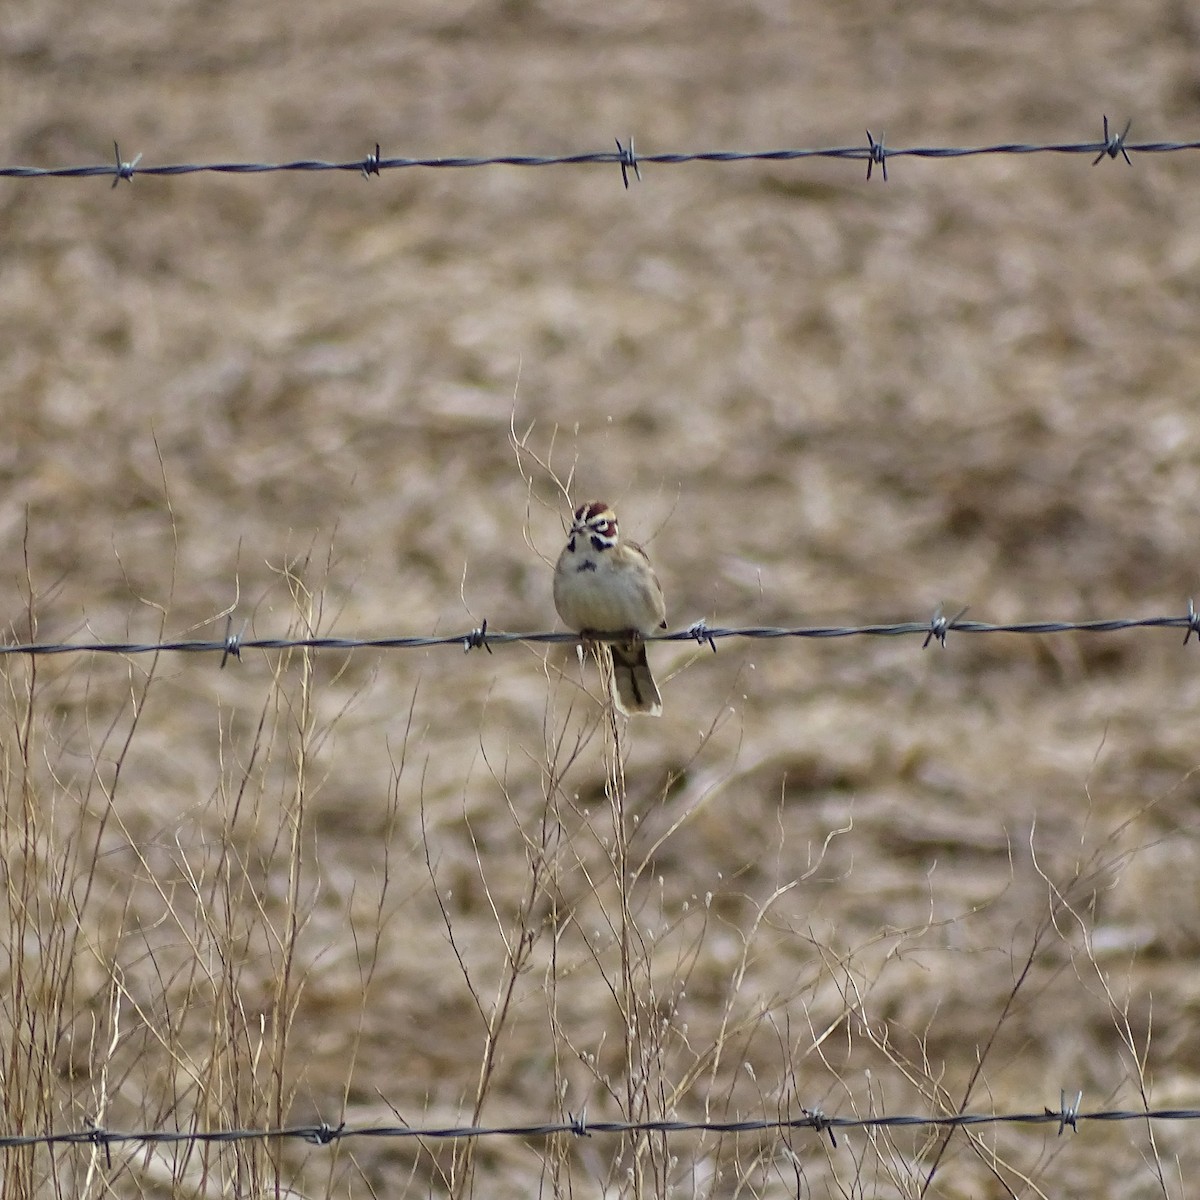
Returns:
<point x="1069" y="1115"/>
<point x="875" y="153"/>
<point x="936" y="628"/>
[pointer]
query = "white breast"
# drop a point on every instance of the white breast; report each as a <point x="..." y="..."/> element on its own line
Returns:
<point x="592" y="590"/>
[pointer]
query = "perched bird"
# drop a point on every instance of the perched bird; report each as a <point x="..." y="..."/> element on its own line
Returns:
<point x="605" y="585"/>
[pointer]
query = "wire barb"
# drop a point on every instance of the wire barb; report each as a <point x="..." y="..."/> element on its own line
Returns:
<point x="1068" y="1114"/>
<point x="1114" y="144"/>
<point x="123" y="170"/>
<point x="324" y="1134"/>
<point x="628" y="159"/>
<point x="99" y="1136"/>
<point x="703" y="635"/>
<point x="370" y="164"/>
<point x="579" y="1126"/>
<point x="876" y="154"/>
<point x="477" y="639"/>
<point x="939" y="626"/>
<point x="232" y="646"/>
<point x="1193" y="622"/>
<point x="820" y="1123"/>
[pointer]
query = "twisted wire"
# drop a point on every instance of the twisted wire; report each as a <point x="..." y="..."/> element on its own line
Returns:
<point x="936" y="628"/>
<point x="1069" y="1115"/>
<point x="875" y="153"/>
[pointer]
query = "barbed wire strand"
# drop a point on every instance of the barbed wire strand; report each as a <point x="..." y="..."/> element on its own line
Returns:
<point x="875" y="153"/>
<point x="937" y="628"/>
<point x="1068" y="1115"/>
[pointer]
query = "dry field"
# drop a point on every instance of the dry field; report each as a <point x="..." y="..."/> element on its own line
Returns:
<point x="433" y="888"/>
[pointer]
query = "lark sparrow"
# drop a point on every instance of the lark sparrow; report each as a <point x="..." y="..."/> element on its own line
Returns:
<point x="605" y="585"/>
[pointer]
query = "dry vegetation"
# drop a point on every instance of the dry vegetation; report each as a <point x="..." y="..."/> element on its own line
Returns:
<point x="437" y="889"/>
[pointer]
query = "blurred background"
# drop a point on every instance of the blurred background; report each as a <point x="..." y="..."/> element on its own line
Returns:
<point x="334" y="403"/>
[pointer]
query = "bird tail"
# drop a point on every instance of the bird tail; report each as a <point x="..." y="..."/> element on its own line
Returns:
<point x="633" y="687"/>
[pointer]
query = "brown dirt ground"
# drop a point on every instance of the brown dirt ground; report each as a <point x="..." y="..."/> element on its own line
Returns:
<point x="817" y="399"/>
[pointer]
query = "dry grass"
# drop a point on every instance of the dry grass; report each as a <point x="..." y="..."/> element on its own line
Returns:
<point x="547" y="954"/>
<point x="438" y="888"/>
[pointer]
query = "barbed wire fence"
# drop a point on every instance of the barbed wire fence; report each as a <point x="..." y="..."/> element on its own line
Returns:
<point x="876" y="153"/>
<point x="935" y="629"/>
<point x="1069" y="1115"/>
